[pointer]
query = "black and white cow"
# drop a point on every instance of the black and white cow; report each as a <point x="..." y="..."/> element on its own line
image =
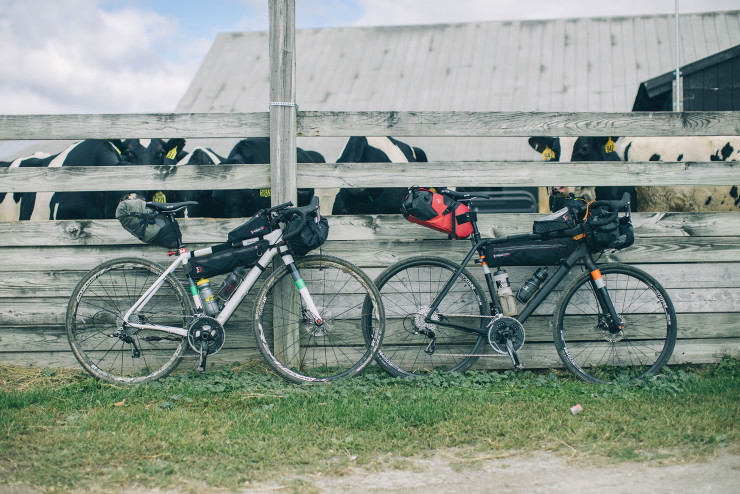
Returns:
<point x="199" y="156"/>
<point x="376" y="200"/>
<point x="238" y="203"/>
<point x="652" y="198"/>
<point x="10" y="204"/>
<point x="93" y="152"/>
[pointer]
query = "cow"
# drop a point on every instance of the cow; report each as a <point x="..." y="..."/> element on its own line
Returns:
<point x="10" y="204"/>
<point x="376" y="200"/>
<point x="652" y="198"/>
<point x="238" y="203"/>
<point x="93" y="152"/>
<point x="199" y="156"/>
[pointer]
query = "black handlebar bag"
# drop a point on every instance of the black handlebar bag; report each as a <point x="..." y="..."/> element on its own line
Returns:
<point x="314" y="230"/>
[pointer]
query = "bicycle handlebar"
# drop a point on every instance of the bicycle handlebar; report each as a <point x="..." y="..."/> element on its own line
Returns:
<point x="610" y="210"/>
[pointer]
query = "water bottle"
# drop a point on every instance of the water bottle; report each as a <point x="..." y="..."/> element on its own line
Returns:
<point x="229" y="285"/>
<point x="532" y="285"/>
<point x="207" y="297"/>
<point x="505" y="295"/>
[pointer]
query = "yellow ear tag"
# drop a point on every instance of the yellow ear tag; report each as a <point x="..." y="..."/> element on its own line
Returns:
<point x="159" y="197"/>
<point x="548" y="154"/>
<point x="609" y="147"/>
<point x="265" y="192"/>
<point x="172" y="154"/>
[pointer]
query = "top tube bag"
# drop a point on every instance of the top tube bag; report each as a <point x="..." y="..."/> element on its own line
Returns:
<point x="436" y="211"/>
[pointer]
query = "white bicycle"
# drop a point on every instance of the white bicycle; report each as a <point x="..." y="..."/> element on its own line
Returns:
<point x="316" y="318"/>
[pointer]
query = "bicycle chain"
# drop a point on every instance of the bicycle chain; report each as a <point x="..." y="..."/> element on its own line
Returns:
<point x="469" y="354"/>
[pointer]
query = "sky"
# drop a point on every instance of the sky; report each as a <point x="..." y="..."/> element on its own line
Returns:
<point x="139" y="56"/>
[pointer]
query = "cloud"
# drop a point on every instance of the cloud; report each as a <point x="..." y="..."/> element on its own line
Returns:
<point x="77" y="57"/>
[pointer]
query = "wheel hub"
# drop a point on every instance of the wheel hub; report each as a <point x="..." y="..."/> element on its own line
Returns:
<point x="420" y="323"/>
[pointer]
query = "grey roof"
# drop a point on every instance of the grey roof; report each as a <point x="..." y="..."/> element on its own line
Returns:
<point x="590" y="64"/>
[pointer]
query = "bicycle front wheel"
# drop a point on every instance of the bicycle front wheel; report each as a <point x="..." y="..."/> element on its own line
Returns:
<point x="342" y="344"/>
<point x="108" y="348"/>
<point x="413" y="347"/>
<point x="596" y="354"/>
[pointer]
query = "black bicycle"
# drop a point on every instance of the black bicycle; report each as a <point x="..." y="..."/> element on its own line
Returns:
<point x="612" y="321"/>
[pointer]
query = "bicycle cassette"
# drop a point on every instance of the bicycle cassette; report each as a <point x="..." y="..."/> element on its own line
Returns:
<point x="209" y="330"/>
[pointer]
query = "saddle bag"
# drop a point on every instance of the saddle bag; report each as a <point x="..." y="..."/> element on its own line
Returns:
<point x="225" y="261"/>
<point x="314" y="230"/>
<point x="257" y="226"/>
<point x="147" y="225"/>
<point x="438" y="212"/>
<point x="529" y="252"/>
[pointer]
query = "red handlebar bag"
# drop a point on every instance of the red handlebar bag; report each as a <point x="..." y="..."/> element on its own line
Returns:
<point x="436" y="211"/>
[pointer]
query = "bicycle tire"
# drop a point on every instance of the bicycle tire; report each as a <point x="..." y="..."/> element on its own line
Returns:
<point x="94" y="322"/>
<point x="639" y="350"/>
<point x="347" y="340"/>
<point x="408" y="287"/>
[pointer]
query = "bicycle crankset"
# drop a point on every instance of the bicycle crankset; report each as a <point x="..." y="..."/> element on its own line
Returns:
<point x="506" y="335"/>
<point x="206" y="336"/>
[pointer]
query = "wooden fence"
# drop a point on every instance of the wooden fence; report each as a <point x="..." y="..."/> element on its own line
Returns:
<point x="695" y="255"/>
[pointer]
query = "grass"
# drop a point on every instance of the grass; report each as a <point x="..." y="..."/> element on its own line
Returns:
<point x="238" y="425"/>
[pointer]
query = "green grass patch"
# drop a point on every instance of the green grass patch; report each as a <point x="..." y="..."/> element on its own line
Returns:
<point x="238" y="425"/>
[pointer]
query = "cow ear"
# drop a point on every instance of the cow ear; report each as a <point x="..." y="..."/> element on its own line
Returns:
<point x="118" y="144"/>
<point x="354" y="150"/>
<point x="539" y="143"/>
<point x="173" y="148"/>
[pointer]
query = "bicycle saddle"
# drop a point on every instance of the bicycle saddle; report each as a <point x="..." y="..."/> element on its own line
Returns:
<point x="170" y="207"/>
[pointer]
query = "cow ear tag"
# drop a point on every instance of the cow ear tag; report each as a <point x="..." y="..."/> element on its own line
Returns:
<point x="265" y="192"/>
<point x="172" y="154"/>
<point x="159" y="197"/>
<point x="548" y="154"/>
<point x="609" y="147"/>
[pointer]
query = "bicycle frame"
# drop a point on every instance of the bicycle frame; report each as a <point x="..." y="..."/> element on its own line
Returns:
<point x="275" y="247"/>
<point x="580" y="253"/>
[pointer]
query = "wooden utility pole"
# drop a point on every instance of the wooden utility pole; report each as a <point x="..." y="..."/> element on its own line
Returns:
<point x="282" y="102"/>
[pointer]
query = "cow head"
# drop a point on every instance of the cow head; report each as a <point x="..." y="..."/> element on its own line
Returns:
<point x="155" y="152"/>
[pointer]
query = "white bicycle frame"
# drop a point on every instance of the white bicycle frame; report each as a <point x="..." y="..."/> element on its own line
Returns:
<point x="274" y="248"/>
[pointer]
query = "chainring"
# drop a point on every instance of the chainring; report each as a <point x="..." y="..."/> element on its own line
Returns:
<point x="206" y="329"/>
<point x="503" y="328"/>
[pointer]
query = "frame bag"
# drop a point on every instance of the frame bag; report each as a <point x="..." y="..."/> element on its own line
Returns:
<point x="437" y="211"/>
<point x="225" y="261"/>
<point x="147" y="225"/>
<point x="529" y="252"/>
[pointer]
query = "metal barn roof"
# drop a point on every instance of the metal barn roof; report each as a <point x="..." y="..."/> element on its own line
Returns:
<point x="590" y="64"/>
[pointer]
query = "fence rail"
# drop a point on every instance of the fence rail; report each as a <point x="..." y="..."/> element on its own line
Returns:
<point x="371" y="123"/>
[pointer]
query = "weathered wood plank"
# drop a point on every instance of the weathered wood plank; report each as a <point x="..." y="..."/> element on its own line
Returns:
<point x="367" y="123"/>
<point x="367" y="228"/>
<point x="383" y="253"/>
<point x="477" y="174"/>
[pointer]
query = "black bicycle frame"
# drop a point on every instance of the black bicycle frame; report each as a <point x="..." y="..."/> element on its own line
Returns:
<point x="580" y="253"/>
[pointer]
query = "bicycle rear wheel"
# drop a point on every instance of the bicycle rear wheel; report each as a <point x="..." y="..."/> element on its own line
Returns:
<point x="594" y="353"/>
<point x="342" y="345"/>
<point x="412" y="347"/>
<point x="106" y="347"/>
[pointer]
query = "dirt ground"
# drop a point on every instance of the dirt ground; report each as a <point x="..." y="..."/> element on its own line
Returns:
<point x="513" y="474"/>
<point x="537" y="473"/>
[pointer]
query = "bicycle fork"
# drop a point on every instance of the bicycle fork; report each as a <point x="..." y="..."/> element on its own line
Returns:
<point x="613" y="323"/>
